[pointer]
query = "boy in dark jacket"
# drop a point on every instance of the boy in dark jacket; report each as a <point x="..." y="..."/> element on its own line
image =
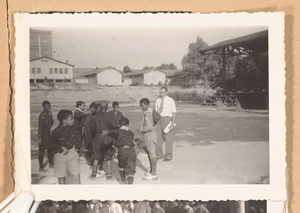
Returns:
<point x="65" y="156"/>
<point x="126" y="152"/>
<point x="114" y="116"/>
<point x="45" y="123"/>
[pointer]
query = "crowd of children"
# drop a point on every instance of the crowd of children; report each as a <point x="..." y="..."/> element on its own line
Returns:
<point x="109" y="206"/>
<point x="102" y="135"/>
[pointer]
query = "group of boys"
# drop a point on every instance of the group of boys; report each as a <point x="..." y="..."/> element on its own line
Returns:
<point x="104" y="134"/>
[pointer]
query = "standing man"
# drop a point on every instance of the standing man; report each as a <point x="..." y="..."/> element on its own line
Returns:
<point x="165" y="106"/>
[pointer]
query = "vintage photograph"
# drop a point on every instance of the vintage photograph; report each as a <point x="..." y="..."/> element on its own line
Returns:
<point x="145" y="206"/>
<point x="150" y="105"/>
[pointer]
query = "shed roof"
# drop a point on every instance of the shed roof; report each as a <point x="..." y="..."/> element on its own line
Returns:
<point x="141" y="72"/>
<point x="170" y="73"/>
<point x="255" y="41"/>
<point x="79" y="72"/>
<point x="52" y="60"/>
<point x="99" y="70"/>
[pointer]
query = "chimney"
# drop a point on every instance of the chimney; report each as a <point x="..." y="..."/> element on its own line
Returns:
<point x="67" y="61"/>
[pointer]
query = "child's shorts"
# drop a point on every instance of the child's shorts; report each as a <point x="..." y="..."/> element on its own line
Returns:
<point x="102" y="147"/>
<point x="127" y="160"/>
<point x="62" y="162"/>
<point x="150" y="141"/>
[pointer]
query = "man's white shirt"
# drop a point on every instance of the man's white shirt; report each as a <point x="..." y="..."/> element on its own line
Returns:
<point x="168" y="106"/>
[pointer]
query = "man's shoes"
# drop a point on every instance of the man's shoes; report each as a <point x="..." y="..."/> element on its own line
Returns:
<point x="166" y="159"/>
<point x="43" y="170"/>
<point x="150" y="177"/>
<point x="51" y="166"/>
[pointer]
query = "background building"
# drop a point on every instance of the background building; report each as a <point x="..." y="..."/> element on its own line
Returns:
<point x="46" y="69"/>
<point x="147" y="77"/>
<point x="40" y="44"/>
<point x="104" y="76"/>
<point x="78" y="75"/>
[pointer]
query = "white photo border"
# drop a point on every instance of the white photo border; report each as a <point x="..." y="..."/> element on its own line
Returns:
<point x="276" y="190"/>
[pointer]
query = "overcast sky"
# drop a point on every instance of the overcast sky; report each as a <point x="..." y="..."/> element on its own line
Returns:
<point x="135" y="47"/>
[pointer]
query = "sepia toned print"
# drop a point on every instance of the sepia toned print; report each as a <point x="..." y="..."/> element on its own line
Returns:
<point x="193" y="103"/>
<point x="214" y="98"/>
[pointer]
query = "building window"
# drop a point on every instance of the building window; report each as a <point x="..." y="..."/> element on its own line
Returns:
<point x="45" y="52"/>
<point x="50" y="70"/>
<point x="39" y="71"/>
<point x="60" y="70"/>
<point x="33" y="70"/>
<point x="45" y="60"/>
<point x="55" y="70"/>
<point x="66" y="70"/>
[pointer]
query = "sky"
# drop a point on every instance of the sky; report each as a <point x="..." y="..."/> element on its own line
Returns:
<point x="132" y="46"/>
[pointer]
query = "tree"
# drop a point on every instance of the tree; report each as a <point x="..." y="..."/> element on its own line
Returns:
<point x="148" y="68"/>
<point x="170" y="66"/>
<point x="126" y="69"/>
<point x="198" y="66"/>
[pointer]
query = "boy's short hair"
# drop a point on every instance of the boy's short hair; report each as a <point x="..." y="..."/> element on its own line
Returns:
<point x="145" y="101"/>
<point x="124" y="121"/>
<point x="165" y="88"/>
<point x="94" y="105"/>
<point x="63" y="115"/>
<point x="115" y="103"/>
<point x="79" y="103"/>
<point x="45" y="103"/>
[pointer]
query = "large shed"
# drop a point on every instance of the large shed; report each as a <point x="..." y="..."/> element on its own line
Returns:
<point x="248" y="96"/>
<point x="106" y="76"/>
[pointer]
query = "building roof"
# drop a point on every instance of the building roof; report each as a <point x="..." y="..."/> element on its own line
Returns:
<point x="170" y="73"/>
<point x="99" y="70"/>
<point x="52" y="60"/>
<point x="79" y="72"/>
<point x="141" y="72"/>
<point x="255" y="41"/>
<point x="80" y="77"/>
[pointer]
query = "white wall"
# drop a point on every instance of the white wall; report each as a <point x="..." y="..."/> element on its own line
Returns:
<point x="109" y="77"/>
<point x="127" y="82"/>
<point x="153" y="77"/>
<point x="45" y="65"/>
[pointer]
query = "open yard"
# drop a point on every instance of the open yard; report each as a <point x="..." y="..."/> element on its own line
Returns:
<point x="211" y="146"/>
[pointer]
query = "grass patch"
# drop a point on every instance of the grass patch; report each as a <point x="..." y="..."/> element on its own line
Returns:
<point x="186" y="96"/>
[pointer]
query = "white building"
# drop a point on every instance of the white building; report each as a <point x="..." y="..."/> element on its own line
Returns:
<point x="104" y="76"/>
<point x="147" y="77"/>
<point x="46" y="69"/>
<point x="78" y="75"/>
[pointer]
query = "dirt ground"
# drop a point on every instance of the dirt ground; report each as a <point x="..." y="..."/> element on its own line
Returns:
<point x="211" y="146"/>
